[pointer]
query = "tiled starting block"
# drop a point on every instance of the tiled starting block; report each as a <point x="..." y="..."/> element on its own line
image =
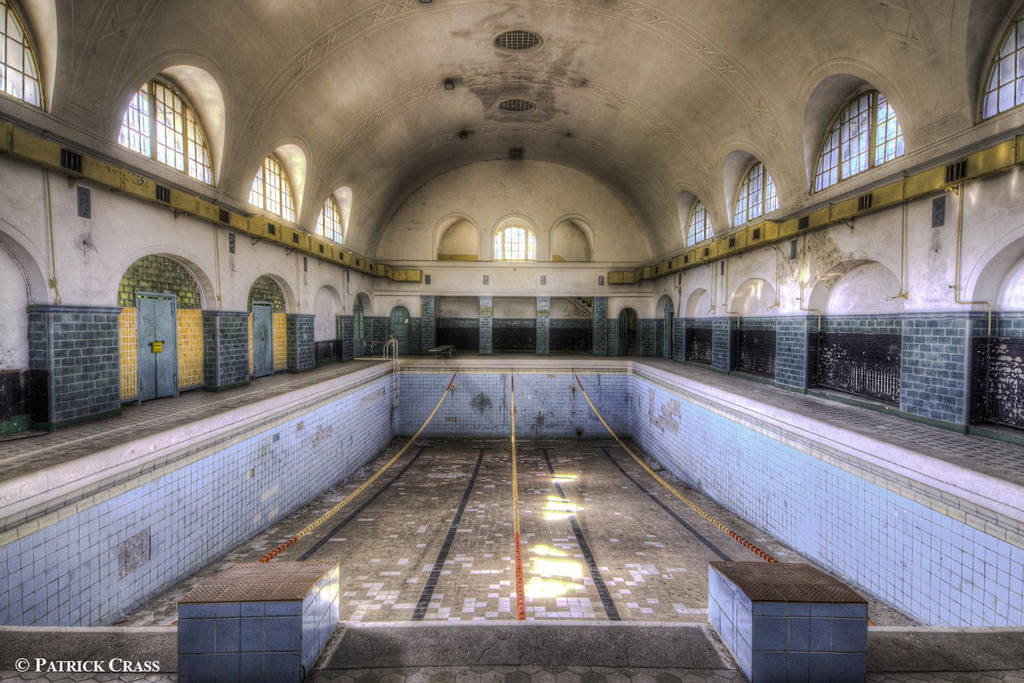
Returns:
<point x="788" y="621"/>
<point x="258" y="622"/>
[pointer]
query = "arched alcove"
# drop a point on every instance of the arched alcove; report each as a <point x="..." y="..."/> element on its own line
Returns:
<point x="14" y="284"/>
<point x="698" y="304"/>
<point x="361" y="309"/>
<point x="627" y="332"/>
<point x="664" y="311"/>
<point x="753" y="297"/>
<point x="857" y="287"/>
<point x="570" y="241"/>
<point x="326" y="305"/>
<point x="460" y="241"/>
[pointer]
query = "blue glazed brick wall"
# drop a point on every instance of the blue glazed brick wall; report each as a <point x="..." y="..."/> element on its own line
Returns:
<point x="935" y="365"/>
<point x="791" y="351"/>
<point x="571" y="334"/>
<point x="547" y="405"/>
<point x="543" y="331"/>
<point x="428" y="323"/>
<point x="600" y="338"/>
<point x="486" y="344"/>
<point x="462" y="333"/>
<point x="77" y="350"/>
<point x="722" y="342"/>
<point x="613" y="345"/>
<point x="67" y="573"/>
<point x="300" y="341"/>
<point x="648" y="336"/>
<point x="345" y="334"/>
<point x="679" y="340"/>
<point x="952" y="574"/>
<point x="225" y="349"/>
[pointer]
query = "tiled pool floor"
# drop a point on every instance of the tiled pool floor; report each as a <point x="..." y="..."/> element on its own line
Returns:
<point x="389" y="540"/>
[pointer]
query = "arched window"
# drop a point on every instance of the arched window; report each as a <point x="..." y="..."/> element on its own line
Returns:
<point x="756" y="196"/>
<point x="271" y="190"/>
<point x="328" y="223"/>
<point x="698" y="228"/>
<point x="19" y="70"/>
<point x="159" y="124"/>
<point x="1004" y="88"/>
<point x="515" y="244"/>
<point x="866" y="133"/>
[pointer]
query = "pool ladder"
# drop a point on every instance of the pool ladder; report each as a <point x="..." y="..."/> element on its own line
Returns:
<point x="391" y="350"/>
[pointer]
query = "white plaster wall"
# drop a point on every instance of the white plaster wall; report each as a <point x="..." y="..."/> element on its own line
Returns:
<point x="325" y="305"/>
<point x="541" y="192"/>
<point x="1011" y="297"/>
<point x="562" y="308"/>
<point x="519" y="307"/>
<point x="458" y="307"/>
<point x="13" y="300"/>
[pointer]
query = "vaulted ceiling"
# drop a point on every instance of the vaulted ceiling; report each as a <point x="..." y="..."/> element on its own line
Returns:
<point x="650" y="96"/>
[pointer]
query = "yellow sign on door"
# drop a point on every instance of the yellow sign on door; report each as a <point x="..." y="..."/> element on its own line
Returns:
<point x="157" y="346"/>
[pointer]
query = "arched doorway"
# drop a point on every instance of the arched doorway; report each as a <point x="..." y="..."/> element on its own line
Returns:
<point x="359" y="310"/>
<point x="161" y="337"/>
<point x="666" y="333"/>
<point x="268" y="327"/>
<point x="400" y="328"/>
<point x="627" y="332"/>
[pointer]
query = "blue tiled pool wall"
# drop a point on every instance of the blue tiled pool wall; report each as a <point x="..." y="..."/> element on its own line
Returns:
<point x="931" y="566"/>
<point x="547" y="405"/>
<point x="94" y="565"/>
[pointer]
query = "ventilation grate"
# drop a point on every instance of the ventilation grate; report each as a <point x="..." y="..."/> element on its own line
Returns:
<point x="864" y="202"/>
<point x="224" y="216"/>
<point x="271" y="229"/>
<point x="517" y="104"/>
<point x="803" y="223"/>
<point x="515" y="152"/>
<point x="163" y="194"/>
<point x="732" y="242"/>
<point x="686" y="258"/>
<point x="756" y="235"/>
<point x="295" y="237"/>
<point x="517" y="39"/>
<point x="71" y="160"/>
<point x="956" y="171"/>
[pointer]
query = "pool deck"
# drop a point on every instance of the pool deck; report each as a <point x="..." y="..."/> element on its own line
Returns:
<point x="985" y="472"/>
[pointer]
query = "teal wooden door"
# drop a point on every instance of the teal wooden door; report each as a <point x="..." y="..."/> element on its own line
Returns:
<point x="158" y="354"/>
<point x="262" y="339"/>
<point x="401" y="328"/>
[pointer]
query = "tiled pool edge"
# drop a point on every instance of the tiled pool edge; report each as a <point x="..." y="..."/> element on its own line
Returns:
<point x="89" y="559"/>
<point x="858" y="524"/>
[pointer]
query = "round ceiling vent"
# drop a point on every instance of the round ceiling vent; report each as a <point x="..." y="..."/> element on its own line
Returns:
<point x="516" y="104"/>
<point x="517" y="40"/>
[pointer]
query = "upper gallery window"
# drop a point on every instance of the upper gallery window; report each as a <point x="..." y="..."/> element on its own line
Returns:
<point x="19" y="70"/>
<point x="1005" y="86"/>
<point x="698" y="228"/>
<point x="756" y="195"/>
<point x="271" y="190"/>
<point x="159" y="124"/>
<point x="328" y="223"/>
<point x="866" y="133"/>
<point x="515" y="244"/>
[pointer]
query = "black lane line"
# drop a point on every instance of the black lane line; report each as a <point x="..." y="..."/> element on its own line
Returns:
<point x="338" y="527"/>
<point x="595" y="573"/>
<point x="442" y="556"/>
<point x="666" y="508"/>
